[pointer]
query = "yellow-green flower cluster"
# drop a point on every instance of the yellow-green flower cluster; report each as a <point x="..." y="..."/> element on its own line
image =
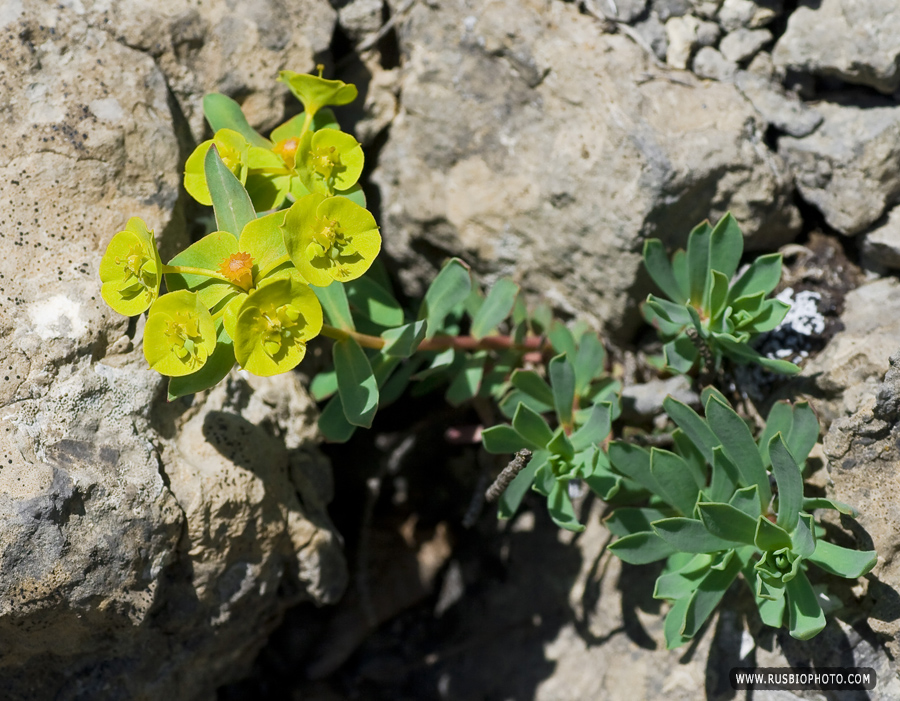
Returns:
<point x="248" y="296"/>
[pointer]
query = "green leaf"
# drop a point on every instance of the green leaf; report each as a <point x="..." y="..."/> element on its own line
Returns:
<point x="394" y="386"/>
<point x="822" y="503"/>
<point x="224" y="113"/>
<point x="743" y="354"/>
<point x="354" y="193"/>
<point x="511" y="402"/>
<point x="680" y="354"/>
<point x="739" y="445"/>
<point x="803" y="539"/>
<point x="560" y="445"/>
<point x="207" y="253"/>
<point x="230" y="200"/>
<point x="509" y="501"/>
<point x="467" y="382"/>
<point x="374" y="302"/>
<point x="698" y="262"/>
<point x="450" y="288"/>
<point x="630" y="519"/>
<point x="323" y="385"/>
<point x="805" y="617"/>
<point x="664" y="328"/>
<point x="747" y="500"/>
<point x="762" y="276"/>
<point x="333" y="299"/>
<point x="641" y="548"/>
<point x="333" y="424"/>
<point x="533" y="385"/>
<point x="684" y="581"/>
<point x="770" y="536"/>
<point x="726" y="245"/>
<point x="675" y="479"/>
<point x="214" y="370"/>
<point x="403" y="341"/>
<point x="708" y="595"/>
<point x="718" y="293"/>
<point x="562" y="339"/>
<point x="357" y="386"/>
<point x="633" y="462"/>
<point x="496" y="308"/>
<point x="769" y="316"/>
<point x="690" y="536"/>
<point x="725" y="477"/>
<point x="657" y="263"/>
<point x="676" y="314"/>
<point x="561" y="510"/>
<point x="804" y="432"/>
<point x="779" y="420"/>
<point x="727" y="522"/>
<point x="503" y="439"/>
<point x="588" y="361"/>
<point x="843" y="562"/>
<point x="562" y="382"/>
<point x="531" y="426"/>
<point x="789" y="481"/>
<point x="674" y="624"/>
<point x="595" y="429"/>
<point x="693" y="425"/>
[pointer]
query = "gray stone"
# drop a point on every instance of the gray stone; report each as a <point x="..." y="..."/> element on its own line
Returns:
<point x="743" y="44"/>
<point x="145" y="551"/>
<point x="552" y="212"/>
<point x="855" y="40"/>
<point x="630" y="10"/>
<point x="747" y="14"/>
<point x="707" y="9"/>
<point x="670" y="8"/>
<point x="708" y="33"/>
<point x="881" y="246"/>
<point x="644" y="401"/>
<point x="360" y="18"/>
<point x="710" y="64"/>
<point x="779" y="108"/>
<point x="848" y="166"/>
<point x="653" y="33"/>
<point x="853" y="363"/>
<point x="681" y="33"/>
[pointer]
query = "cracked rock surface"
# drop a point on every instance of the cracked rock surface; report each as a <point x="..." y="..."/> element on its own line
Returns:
<point x="145" y="552"/>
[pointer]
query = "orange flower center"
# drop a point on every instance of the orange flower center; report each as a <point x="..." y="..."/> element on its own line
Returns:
<point x="287" y="149"/>
<point x="238" y="267"/>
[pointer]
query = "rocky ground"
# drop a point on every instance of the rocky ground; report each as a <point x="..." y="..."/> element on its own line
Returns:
<point x="146" y="553"/>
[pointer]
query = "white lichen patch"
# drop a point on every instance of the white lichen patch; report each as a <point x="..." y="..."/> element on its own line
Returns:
<point x="107" y="109"/>
<point x="57" y="317"/>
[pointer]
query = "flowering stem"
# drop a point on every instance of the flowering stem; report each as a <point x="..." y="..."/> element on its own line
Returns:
<point x="186" y="270"/>
<point x="274" y="264"/>
<point x="463" y="343"/>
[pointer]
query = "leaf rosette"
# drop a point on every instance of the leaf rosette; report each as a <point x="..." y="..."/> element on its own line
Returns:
<point x="180" y="334"/>
<point x="330" y="238"/>
<point x="234" y="151"/>
<point x="273" y="325"/>
<point x="131" y="269"/>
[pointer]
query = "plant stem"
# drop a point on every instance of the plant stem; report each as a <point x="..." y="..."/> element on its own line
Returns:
<point x="186" y="270"/>
<point x="463" y="343"/>
<point x="274" y="264"/>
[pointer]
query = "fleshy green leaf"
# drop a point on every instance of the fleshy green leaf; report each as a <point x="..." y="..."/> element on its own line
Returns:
<point x="726" y="245"/>
<point x="495" y="309"/>
<point x="771" y="537"/>
<point x="674" y="624"/>
<point x="805" y="617"/>
<point x="588" y="361"/>
<point x="698" y="262"/>
<point x="710" y="592"/>
<point x="747" y="500"/>
<point x="450" y="288"/>
<point x="224" y="113"/>
<point x="822" y="503"/>
<point x="560" y="507"/>
<point x="374" y="302"/>
<point x="790" y="483"/>
<point x="641" y="548"/>
<point x="595" y="429"/>
<point x="843" y="562"/>
<point x="467" y="382"/>
<point x="631" y="519"/>
<point x="509" y="501"/>
<point x="357" y="386"/>
<point x="657" y="263"/>
<point x="690" y="536"/>
<point x="693" y="425"/>
<point x="739" y="445"/>
<point x="725" y="477"/>
<point x="403" y="340"/>
<point x="633" y="462"/>
<point x="727" y="522"/>
<point x="333" y="299"/>
<point x="531" y="426"/>
<point x="562" y="339"/>
<point x="502" y="439"/>
<point x="323" y="385"/>
<point x="333" y="423"/>
<point x="533" y="385"/>
<point x="675" y="479"/>
<point x="230" y="200"/>
<point x="804" y="432"/>
<point x="743" y="354"/>
<point x="680" y="354"/>
<point x="779" y="420"/>
<point x="562" y="382"/>
<point x="762" y="276"/>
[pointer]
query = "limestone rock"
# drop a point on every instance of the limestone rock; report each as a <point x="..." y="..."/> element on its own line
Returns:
<point x="630" y="10"/>
<point x="748" y="14"/>
<point x="853" y="363"/>
<point x="682" y="35"/>
<point x="881" y="246"/>
<point x="862" y="45"/>
<point x="653" y="33"/>
<point x="710" y="64"/>
<point x="847" y="167"/>
<point x="779" y="108"/>
<point x="742" y="44"/>
<point x="141" y="556"/>
<point x="574" y="147"/>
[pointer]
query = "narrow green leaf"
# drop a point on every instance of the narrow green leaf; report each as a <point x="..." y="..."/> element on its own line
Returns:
<point x="560" y="445"/>
<point x="710" y="592"/>
<point x="562" y="382"/>
<point x="562" y="339"/>
<point x="496" y="307"/>
<point x="231" y="203"/>
<point x="770" y="536"/>
<point x="335" y="305"/>
<point x="747" y="500"/>
<point x="739" y="445"/>
<point x="641" y="548"/>
<point x="534" y="385"/>
<point x="803" y="539"/>
<point x="804" y="432"/>
<point x="531" y="426"/>
<point x="693" y="425"/>
<point x="680" y="354"/>
<point x="718" y="294"/>
<point x="726" y="245"/>
<point x="698" y="262"/>
<point x="780" y="420"/>
<point x="690" y="536"/>
<point x="333" y="424"/>
<point x="664" y="328"/>
<point x="843" y="562"/>
<point x="725" y="477"/>
<point x="682" y="277"/>
<point x="467" y="382"/>
<point x="822" y="503"/>
<point x="561" y="510"/>
<point x="503" y="439"/>
<point x="323" y="385"/>
<point x="595" y="429"/>
<point x="633" y="462"/>
<point x="630" y="519"/>
<point x="657" y="263"/>
<point x="511" y="402"/>
<point x="677" y="314"/>
<point x="588" y="361"/>
<point x="509" y="501"/>
<point x="789" y="481"/>
<point x="805" y="617"/>
<point x="742" y="354"/>
<point x="374" y="302"/>
<point x="224" y="113"/>
<point x="449" y="289"/>
<point x="762" y="276"/>
<point x="674" y="624"/>
<point x="675" y="480"/>
<point x="357" y="386"/>
<point x="403" y="341"/>
<point x="769" y="316"/>
<point x="727" y="522"/>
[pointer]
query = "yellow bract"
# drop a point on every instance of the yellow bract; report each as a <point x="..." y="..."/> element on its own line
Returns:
<point x="130" y="269"/>
<point x="180" y="334"/>
<point x="234" y="150"/>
